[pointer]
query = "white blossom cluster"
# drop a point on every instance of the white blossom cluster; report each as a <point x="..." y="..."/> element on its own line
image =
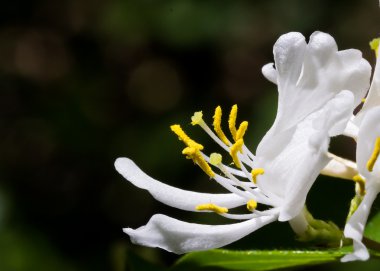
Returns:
<point x="319" y="88"/>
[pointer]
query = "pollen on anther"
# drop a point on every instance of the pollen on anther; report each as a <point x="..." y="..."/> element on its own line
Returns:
<point x="360" y="182"/>
<point x="238" y="146"/>
<point x="242" y="129"/>
<point x="232" y="121"/>
<point x="375" y="154"/>
<point x="256" y="172"/>
<point x="176" y="128"/>
<point x="251" y="205"/>
<point x="217" y="125"/>
<point x="211" y="207"/>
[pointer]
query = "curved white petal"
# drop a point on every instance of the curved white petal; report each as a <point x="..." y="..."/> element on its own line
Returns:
<point x="288" y="54"/>
<point x="351" y="130"/>
<point x="180" y="237"/>
<point x="290" y="170"/>
<point x="311" y="75"/>
<point x="373" y="97"/>
<point x="356" y="73"/>
<point x="172" y="196"/>
<point x="321" y="47"/>
<point x="270" y="72"/>
<point x="368" y="132"/>
<point x="336" y="114"/>
<point x="355" y="226"/>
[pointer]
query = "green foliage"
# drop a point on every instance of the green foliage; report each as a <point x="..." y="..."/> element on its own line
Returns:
<point x="372" y="233"/>
<point x="26" y="250"/>
<point x="255" y="260"/>
<point x="372" y="229"/>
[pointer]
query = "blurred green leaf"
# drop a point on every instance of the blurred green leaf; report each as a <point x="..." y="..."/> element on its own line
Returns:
<point x="28" y="250"/>
<point x="372" y="229"/>
<point x="255" y="260"/>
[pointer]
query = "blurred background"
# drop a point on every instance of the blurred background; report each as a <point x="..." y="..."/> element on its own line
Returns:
<point x="84" y="82"/>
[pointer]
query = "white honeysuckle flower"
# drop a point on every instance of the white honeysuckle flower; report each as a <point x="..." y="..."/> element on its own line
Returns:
<point x="318" y="63"/>
<point x="367" y="152"/>
<point x="312" y="82"/>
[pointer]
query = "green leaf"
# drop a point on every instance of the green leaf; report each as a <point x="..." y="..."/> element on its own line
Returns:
<point x="255" y="260"/>
<point x="372" y="234"/>
<point x="372" y="229"/>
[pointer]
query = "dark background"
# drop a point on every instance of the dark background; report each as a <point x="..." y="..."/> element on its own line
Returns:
<point x="84" y="82"/>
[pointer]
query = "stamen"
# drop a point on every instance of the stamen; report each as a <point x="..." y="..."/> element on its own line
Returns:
<point x="211" y="207"/>
<point x="217" y="127"/>
<point x="197" y="118"/>
<point x="232" y="121"/>
<point x="375" y="154"/>
<point x="215" y="159"/>
<point x="238" y="146"/>
<point x="255" y="172"/>
<point x="251" y="205"/>
<point x="196" y="156"/>
<point x="242" y="129"/>
<point x="185" y="138"/>
<point x="374" y="44"/>
<point x="246" y="186"/>
<point x="360" y="181"/>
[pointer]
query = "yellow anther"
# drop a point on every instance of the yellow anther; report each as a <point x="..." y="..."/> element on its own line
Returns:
<point x="375" y="154"/>
<point x="185" y="138"/>
<point x="215" y="159"/>
<point x="363" y="100"/>
<point x="238" y="146"/>
<point x="217" y="126"/>
<point x="189" y="152"/>
<point x="374" y="44"/>
<point x="196" y="156"/>
<point x="204" y="166"/>
<point x="232" y="121"/>
<point x="197" y="118"/>
<point x="211" y="207"/>
<point x="242" y="129"/>
<point x="255" y="172"/>
<point x="360" y="181"/>
<point x="251" y="205"/>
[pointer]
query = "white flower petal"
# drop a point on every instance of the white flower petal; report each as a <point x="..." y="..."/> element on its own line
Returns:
<point x="338" y="113"/>
<point x="355" y="226"/>
<point x="321" y="47"/>
<point x="356" y="72"/>
<point x="180" y="237"/>
<point x="318" y="73"/>
<point x="373" y="97"/>
<point x="270" y="72"/>
<point x="291" y="171"/>
<point x="175" y="197"/>
<point x="368" y="132"/>
<point x="288" y="54"/>
<point x="351" y="130"/>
